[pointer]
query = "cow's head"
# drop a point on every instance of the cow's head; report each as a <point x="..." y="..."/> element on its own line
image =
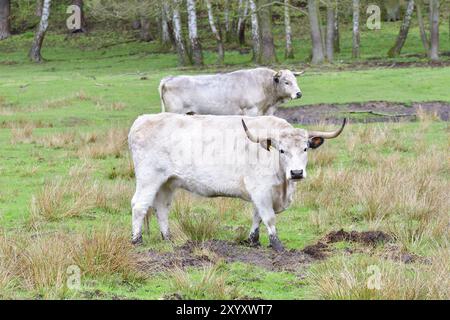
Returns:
<point x="286" y="84"/>
<point x="293" y="145"/>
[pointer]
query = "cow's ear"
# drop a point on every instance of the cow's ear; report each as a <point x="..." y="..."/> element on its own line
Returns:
<point x="277" y="76"/>
<point x="315" y="142"/>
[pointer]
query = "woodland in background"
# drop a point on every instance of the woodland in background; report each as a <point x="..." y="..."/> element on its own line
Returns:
<point x="182" y="26"/>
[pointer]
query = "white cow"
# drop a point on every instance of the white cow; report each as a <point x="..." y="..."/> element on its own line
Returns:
<point x="245" y="92"/>
<point x="218" y="156"/>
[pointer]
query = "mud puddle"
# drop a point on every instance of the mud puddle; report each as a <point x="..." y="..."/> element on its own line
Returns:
<point x="377" y="111"/>
<point x="193" y="254"/>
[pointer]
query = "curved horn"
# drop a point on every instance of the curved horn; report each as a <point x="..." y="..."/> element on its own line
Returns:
<point x="297" y="74"/>
<point x="328" y="135"/>
<point x="249" y="134"/>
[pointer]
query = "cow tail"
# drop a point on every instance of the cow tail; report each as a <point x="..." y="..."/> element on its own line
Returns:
<point x="161" y="90"/>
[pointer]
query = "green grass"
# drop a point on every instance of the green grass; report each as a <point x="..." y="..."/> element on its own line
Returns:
<point x="74" y="92"/>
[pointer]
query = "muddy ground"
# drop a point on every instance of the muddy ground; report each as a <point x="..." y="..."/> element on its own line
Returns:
<point x="377" y="111"/>
<point x="192" y="254"/>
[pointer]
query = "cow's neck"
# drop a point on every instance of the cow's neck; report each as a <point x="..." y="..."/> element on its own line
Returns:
<point x="283" y="193"/>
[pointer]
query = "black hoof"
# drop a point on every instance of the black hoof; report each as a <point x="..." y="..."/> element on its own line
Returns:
<point x="137" y="241"/>
<point x="253" y="239"/>
<point x="275" y="243"/>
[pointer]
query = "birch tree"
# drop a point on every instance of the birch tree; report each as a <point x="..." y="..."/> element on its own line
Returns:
<point x="289" y="51"/>
<point x="183" y="58"/>
<point x="216" y="32"/>
<point x="316" y="36"/>
<point x="226" y="17"/>
<point x="337" y="36"/>
<point x="35" y="51"/>
<point x="196" y="49"/>
<point x="243" y="11"/>
<point x="165" y="35"/>
<point x="423" y="32"/>
<point x="434" y="25"/>
<point x="267" y="55"/>
<point x="5" y="16"/>
<point x="404" y="29"/>
<point x="256" y="41"/>
<point x="356" y="34"/>
<point x="331" y="15"/>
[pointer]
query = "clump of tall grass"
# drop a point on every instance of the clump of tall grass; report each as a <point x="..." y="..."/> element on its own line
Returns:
<point x="362" y="277"/>
<point x="76" y="195"/>
<point x="22" y="133"/>
<point x="40" y="264"/>
<point x="198" y="224"/>
<point x="111" y="143"/>
<point x="209" y="284"/>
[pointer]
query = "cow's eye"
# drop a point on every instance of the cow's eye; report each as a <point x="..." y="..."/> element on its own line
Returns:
<point x="281" y="151"/>
<point x="306" y="149"/>
<point x="287" y="83"/>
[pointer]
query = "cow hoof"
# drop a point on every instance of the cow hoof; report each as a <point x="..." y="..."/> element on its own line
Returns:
<point x="137" y="241"/>
<point x="275" y="243"/>
<point x="251" y="243"/>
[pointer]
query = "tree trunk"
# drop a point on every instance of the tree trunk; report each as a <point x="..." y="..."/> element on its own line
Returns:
<point x="356" y="35"/>
<point x="434" y="23"/>
<point x="197" y="55"/>
<point x="337" y="36"/>
<point x="165" y="36"/>
<point x="177" y="32"/>
<point x="404" y="29"/>
<point x="38" y="9"/>
<point x="316" y="36"/>
<point x="256" y="41"/>
<point x="35" y="52"/>
<point x="267" y="55"/>
<point x="241" y="22"/>
<point x="226" y="17"/>
<point x="331" y="15"/>
<point x="5" y="16"/>
<point x="289" y="51"/>
<point x="423" y="32"/>
<point x="217" y="35"/>
<point x="145" y="34"/>
<point x="83" y="24"/>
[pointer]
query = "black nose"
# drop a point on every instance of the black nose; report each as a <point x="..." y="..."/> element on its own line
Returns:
<point x="299" y="95"/>
<point x="297" y="174"/>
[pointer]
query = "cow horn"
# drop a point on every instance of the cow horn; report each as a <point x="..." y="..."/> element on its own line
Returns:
<point x="328" y="135"/>
<point x="249" y="134"/>
<point x="298" y="73"/>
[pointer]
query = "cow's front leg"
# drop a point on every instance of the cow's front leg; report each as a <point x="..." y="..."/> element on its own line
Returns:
<point x="253" y="238"/>
<point x="267" y="215"/>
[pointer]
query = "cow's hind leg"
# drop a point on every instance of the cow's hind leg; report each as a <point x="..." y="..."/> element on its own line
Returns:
<point x="142" y="200"/>
<point x="161" y="204"/>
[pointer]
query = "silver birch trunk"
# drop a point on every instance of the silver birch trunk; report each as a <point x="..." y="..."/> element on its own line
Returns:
<point x="35" y="51"/>
<point x="197" y="55"/>
<point x="404" y="29"/>
<point x="177" y="33"/>
<point x="5" y="19"/>
<point x="165" y="36"/>
<point x="356" y="34"/>
<point x="241" y="21"/>
<point x="331" y="15"/>
<point x="337" y="36"/>
<point x="216" y="32"/>
<point x="423" y="32"/>
<point x="256" y="41"/>
<point x="289" y="51"/>
<point x="226" y="17"/>
<point x="316" y="36"/>
<point x="434" y="24"/>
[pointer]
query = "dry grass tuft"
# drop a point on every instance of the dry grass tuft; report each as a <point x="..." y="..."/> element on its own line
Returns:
<point x="22" y="133"/>
<point x="211" y="284"/>
<point x="198" y="224"/>
<point x="362" y="277"/>
<point x="112" y="143"/>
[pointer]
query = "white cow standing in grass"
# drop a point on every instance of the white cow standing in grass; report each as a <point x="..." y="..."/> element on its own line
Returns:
<point x="218" y="156"/>
<point x="251" y="92"/>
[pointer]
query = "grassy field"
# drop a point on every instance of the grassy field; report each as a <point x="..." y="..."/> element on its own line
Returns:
<point x="66" y="180"/>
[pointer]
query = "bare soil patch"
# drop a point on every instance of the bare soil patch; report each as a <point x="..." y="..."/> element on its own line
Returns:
<point x="375" y="111"/>
<point x="193" y="254"/>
